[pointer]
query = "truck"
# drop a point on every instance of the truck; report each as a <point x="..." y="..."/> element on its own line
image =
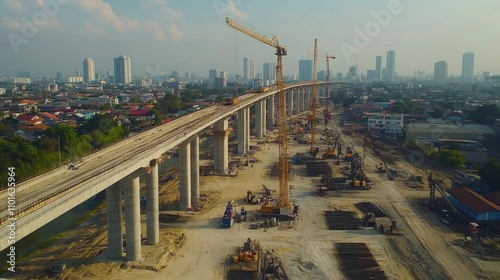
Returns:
<point x="229" y="215"/>
<point x="228" y="99"/>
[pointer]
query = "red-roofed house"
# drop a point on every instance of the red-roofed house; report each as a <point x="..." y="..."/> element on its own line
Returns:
<point x="26" y="118"/>
<point x="474" y="205"/>
<point x="141" y="115"/>
<point x="49" y="118"/>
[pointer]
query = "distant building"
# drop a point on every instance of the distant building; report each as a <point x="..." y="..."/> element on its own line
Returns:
<point x="474" y="205"/>
<point x="220" y="82"/>
<point x="305" y="69"/>
<point x="371" y="75"/>
<point x="123" y="70"/>
<point x="391" y="65"/>
<point x="212" y="74"/>
<point x="378" y="67"/>
<point x="467" y="65"/>
<point x="22" y="81"/>
<point x="248" y="68"/>
<point x="386" y="123"/>
<point x="73" y="79"/>
<point x="88" y="70"/>
<point x="440" y="70"/>
<point x="269" y="71"/>
<point x="447" y="131"/>
<point x="353" y="72"/>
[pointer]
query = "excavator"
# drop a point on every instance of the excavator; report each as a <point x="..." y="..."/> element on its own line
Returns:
<point x="382" y="168"/>
<point x="332" y="152"/>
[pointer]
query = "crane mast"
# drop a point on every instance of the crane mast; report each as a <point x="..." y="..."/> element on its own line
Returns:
<point x="312" y="143"/>
<point x="283" y="149"/>
<point x="327" y="78"/>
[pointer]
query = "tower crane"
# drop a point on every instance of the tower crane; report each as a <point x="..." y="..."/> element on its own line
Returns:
<point x="312" y="143"/>
<point x="327" y="78"/>
<point x="284" y="206"/>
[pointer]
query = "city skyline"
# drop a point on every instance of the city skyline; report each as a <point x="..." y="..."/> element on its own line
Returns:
<point x="192" y="36"/>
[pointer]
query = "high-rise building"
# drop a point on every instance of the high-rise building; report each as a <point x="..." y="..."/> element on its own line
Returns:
<point x="248" y="68"/>
<point x="176" y="75"/>
<point x="59" y="77"/>
<point x="440" y="70"/>
<point x="88" y="70"/>
<point x="212" y="74"/>
<point x="123" y="70"/>
<point x="269" y="71"/>
<point x="378" y="67"/>
<point x="305" y="69"/>
<point x="467" y="65"/>
<point x="353" y="71"/>
<point x="391" y="65"/>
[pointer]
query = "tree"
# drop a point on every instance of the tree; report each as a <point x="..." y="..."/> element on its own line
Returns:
<point x="490" y="174"/>
<point x="485" y="114"/>
<point x="102" y="122"/>
<point x="158" y="119"/>
<point x="67" y="136"/>
<point x="169" y="104"/>
<point x="451" y="158"/>
<point x="348" y="101"/>
<point x="437" y="114"/>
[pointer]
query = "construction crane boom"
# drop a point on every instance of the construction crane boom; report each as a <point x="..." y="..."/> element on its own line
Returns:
<point x="312" y="143"/>
<point x="273" y="42"/>
<point x="283" y="149"/>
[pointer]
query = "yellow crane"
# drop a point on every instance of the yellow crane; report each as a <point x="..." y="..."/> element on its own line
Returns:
<point x="312" y="142"/>
<point x="284" y="205"/>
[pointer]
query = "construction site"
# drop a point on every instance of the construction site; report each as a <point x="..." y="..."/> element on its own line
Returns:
<point x="314" y="199"/>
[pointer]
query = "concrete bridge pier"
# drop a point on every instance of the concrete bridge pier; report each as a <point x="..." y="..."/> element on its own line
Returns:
<point x="264" y="117"/>
<point x="289" y="103"/>
<point x="247" y="127"/>
<point x="152" y="205"/>
<point x="308" y="99"/>
<point x="301" y="100"/>
<point x="195" y="168"/>
<point x="132" y="216"/>
<point x="295" y="96"/>
<point x="270" y="111"/>
<point x="259" y="119"/>
<point x="242" y="131"/>
<point x="185" y="175"/>
<point x="114" y="221"/>
<point x="220" y="146"/>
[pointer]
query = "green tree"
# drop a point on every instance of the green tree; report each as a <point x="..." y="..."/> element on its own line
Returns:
<point x="67" y="136"/>
<point x="490" y="174"/>
<point x="169" y="104"/>
<point x="102" y="122"/>
<point x="437" y="114"/>
<point x="485" y="114"/>
<point x="451" y="158"/>
<point x="158" y="119"/>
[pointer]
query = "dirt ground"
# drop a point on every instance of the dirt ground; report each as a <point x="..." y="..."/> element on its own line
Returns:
<point x="197" y="247"/>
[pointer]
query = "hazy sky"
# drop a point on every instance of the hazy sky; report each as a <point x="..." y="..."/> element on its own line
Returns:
<point x="191" y="35"/>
